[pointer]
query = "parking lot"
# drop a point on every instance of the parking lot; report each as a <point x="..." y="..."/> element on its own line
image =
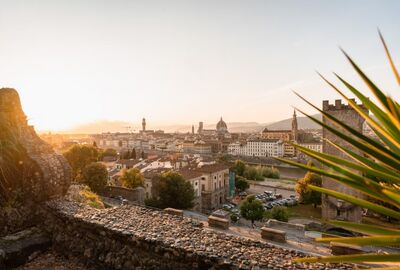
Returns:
<point x="269" y="199"/>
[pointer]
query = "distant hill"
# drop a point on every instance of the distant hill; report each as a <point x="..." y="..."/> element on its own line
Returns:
<point x="302" y="121"/>
<point x="234" y="127"/>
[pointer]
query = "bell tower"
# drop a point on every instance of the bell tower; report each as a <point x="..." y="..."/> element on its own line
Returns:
<point x="295" y="129"/>
<point x="144" y="124"/>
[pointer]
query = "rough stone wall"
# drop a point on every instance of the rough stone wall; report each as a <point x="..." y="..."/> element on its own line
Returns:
<point x="52" y="171"/>
<point x="331" y="207"/>
<point x="133" y="237"/>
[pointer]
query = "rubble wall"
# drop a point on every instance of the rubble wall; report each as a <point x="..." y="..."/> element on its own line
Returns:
<point x="134" y="237"/>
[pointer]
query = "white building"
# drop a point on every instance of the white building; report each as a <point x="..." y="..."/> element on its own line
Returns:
<point x="257" y="148"/>
<point x="313" y="146"/>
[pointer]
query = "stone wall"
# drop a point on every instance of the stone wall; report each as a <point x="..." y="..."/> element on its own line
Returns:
<point x="134" y="195"/>
<point x="333" y="208"/>
<point x="133" y="237"/>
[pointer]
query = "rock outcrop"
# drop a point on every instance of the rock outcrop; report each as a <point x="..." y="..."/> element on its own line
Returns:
<point x="29" y="166"/>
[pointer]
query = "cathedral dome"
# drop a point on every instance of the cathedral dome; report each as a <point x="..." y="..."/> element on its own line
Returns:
<point x="221" y="126"/>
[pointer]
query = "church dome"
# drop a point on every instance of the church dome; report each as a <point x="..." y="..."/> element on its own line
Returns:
<point x="221" y="126"/>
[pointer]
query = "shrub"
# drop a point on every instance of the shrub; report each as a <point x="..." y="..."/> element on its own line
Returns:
<point x="280" y="213"/>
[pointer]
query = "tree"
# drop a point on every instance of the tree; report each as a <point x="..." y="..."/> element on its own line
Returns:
<point x="253" y="173"/>
<point x="95" y="175"/>
<point x="239" y="167"/>
<point x="109" y="152"/>
<point x="133" y="153"/>
<point x="241" y="183"/>
<point x="94" y="144"/>
<point x="174" y="191"/>
<point x="306" y="194"/>
<point x="252" y="209"/>
<point x="127" y="154"/>
<point x="79" y="156"/>
<point x="132" y="178"/>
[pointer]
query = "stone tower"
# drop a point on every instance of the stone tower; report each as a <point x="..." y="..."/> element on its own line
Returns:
<point x="192" y="129"/>
<point x="333" y="208"/>
<point x="295" y="129"/>
<point x="200" y="129"/>
<point x="144" y="124"/>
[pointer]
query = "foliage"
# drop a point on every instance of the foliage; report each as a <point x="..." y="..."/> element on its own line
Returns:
<point x="95" y="175"/>
<point x="79" y="156"/>
<point x="174" y="191"/>
<point x="153" y="202"/>
<point x="306" y="194"/>
<point x="252" y="209"/>
<point x="241" y="183"/>
<point x="280" y="213"/>
<point x="373" y="167"/>
<point x="253" y="173"/>
<point x="83" y="194"/>
<point x="132" y="178"/>
<point x="239" y="167"/>
<point x="109" y="152"/>
<point x="270" y="172"/>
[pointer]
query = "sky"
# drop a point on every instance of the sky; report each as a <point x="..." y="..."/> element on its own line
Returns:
<point x="181" y="62"/>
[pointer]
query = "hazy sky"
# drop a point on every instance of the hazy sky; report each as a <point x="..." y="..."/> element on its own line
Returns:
<point x="173" y="62"/>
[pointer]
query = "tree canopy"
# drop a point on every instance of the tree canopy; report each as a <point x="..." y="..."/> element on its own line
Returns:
<point x="79" y="156"/>
<point x="241" y="183"/>
<point x="252" y="209"/>
<point x="306" y="194"/>
<point x="109" y="152"/>
<point x="174" y="191"/>
<point x="239" y="167"/>
<point x="95" y="175"/>
<point x="132" y="178"/>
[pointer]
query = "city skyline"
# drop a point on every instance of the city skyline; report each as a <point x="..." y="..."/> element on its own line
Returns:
<point x="185" y="62"/>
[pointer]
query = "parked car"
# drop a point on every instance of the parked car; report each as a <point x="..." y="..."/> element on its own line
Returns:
<point x="278" y="196"/>
<point x="226" y="206"/>
<point x="243" y="194"/>
<point x="268" y="206"/>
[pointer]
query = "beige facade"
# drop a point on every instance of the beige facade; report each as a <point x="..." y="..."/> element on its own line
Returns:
<point x="214" y="186"/>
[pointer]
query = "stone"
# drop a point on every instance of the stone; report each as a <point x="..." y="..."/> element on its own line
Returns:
<point x="273" y="234"/>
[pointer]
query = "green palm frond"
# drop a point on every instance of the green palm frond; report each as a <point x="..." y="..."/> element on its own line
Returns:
<point x="370" y="166"/>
